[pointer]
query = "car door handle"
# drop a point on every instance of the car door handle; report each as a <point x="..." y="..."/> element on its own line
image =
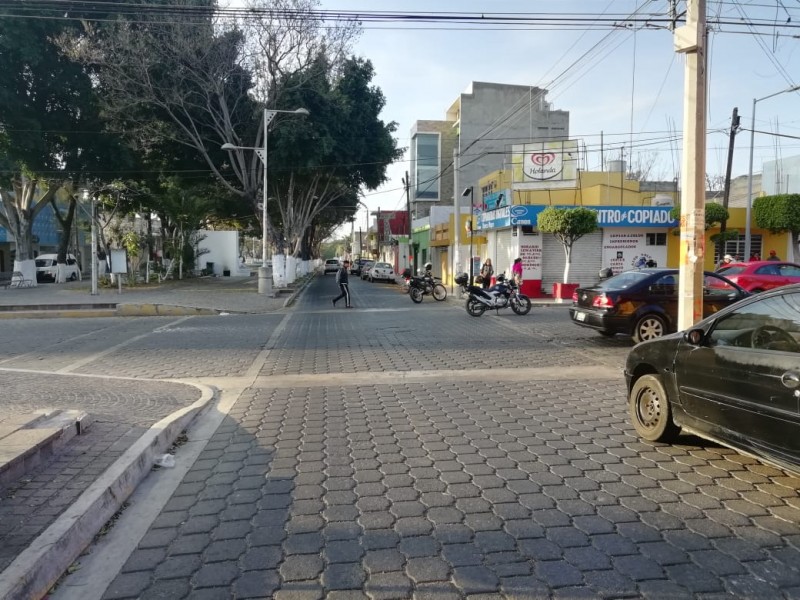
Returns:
<point x="790" y="380"/>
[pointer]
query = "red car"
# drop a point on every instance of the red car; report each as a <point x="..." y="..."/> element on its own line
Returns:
<point x="761" y="275"/>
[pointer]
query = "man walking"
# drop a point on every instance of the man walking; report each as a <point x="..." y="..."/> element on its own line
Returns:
<point x="341" y="279"/>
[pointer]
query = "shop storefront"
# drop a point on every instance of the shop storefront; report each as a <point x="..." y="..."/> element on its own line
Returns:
<point x="628" y="237"/>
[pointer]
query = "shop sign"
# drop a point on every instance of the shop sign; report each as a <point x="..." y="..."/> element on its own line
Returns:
<point x="607" y="216"/>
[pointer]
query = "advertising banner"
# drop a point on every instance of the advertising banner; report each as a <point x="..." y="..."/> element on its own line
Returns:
<point x="545" y="165"/>
<point x="624" y="249"/>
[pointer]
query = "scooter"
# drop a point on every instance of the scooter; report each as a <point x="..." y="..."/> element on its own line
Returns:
<point x="504" y="294"/>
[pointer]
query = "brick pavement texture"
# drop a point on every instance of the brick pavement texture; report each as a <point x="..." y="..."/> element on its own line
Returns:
<point x="122" y="411"/>
<point x="444" y="490"/>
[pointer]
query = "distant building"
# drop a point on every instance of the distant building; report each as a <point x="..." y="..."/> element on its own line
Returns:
<point x="480" y="125"/>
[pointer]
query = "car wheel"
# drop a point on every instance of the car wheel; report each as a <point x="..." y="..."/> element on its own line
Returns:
<point x="650" y="410"/>
<point x="73" y="277"/>
<point x="649" y="327"/>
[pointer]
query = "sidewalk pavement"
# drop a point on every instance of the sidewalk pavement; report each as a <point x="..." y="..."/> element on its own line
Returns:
<point x="203" y="295"/>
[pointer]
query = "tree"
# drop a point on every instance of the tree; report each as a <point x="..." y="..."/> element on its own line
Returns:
<point x="51" y="125"/>
<point x="778" y="214"/>
<point x="203" y="84"/>
<point x="567" y="225"/>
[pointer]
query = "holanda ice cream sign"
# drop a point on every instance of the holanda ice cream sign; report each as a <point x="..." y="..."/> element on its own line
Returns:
<point x="552" y="163"/>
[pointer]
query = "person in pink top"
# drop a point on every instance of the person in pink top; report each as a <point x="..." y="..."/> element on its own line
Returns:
<point x="516" y="271"/>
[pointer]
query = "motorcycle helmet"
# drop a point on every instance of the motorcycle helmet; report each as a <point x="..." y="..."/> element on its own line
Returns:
<point x="428" y="266"/>
<point x="500" y="278"/>
<point x="479" y="279"/>
<point x="461" y="279"/>
<point x="606" y="273"/>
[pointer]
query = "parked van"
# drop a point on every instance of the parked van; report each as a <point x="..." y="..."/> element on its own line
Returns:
<point x="47" y="267"/>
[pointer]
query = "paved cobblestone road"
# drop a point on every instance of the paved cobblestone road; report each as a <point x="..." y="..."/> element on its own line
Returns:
<point x="369" y="479"/>
<point x="441" y="481"/>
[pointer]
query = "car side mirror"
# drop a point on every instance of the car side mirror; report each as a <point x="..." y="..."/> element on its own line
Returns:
<point x="694" y="336"/>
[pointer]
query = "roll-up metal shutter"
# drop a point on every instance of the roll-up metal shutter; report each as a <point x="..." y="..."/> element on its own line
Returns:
<point x="505" y="249"/>
<point x="587" y="258"/>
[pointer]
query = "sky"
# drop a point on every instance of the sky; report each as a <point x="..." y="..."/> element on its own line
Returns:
<point x="627" y="84"/>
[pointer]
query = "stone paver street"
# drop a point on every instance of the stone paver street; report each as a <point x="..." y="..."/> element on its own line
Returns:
<point x="404" y="451"/>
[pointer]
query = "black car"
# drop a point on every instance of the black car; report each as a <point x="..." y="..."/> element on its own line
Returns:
<point x="733" y="378"/>
<point x="644" y="303"/>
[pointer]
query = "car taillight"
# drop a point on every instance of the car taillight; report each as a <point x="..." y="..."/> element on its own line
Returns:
<point x="574" y="296"/>
<point x="602" y="301"/>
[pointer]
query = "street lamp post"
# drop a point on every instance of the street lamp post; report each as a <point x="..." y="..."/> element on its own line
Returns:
<point x="265" y="272"/>
<point x="747" y="236"/>
<point x="465" y="193"/>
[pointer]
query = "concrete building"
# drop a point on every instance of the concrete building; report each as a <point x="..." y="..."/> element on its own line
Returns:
<point x="479" y="126"/>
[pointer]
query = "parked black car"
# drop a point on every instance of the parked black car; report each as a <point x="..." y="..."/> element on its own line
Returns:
<point x="644" y="303"/>
<point x="734" y="378"/>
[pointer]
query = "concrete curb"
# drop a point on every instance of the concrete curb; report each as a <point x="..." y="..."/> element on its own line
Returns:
<point x="40" y="565"/>
<point x="161" y="310"/>
<point x="290" y="300"/>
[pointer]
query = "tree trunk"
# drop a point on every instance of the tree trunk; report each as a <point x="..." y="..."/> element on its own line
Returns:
<point x="568" y="254"/>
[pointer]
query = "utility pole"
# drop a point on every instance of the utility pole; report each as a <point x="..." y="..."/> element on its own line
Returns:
<point x="690" y="39"/>
<point x="727" y="189"/>
<point x="457" y="218"/>
<point x="408" y="211"/>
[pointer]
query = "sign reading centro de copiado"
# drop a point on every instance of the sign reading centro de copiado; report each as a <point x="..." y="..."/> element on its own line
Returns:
<point x="607" y="216"/>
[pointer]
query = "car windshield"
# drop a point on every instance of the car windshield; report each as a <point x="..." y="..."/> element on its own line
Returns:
<point x="332" y="262"/>
<point x="624" y="280"/>
<point x="383" y="266"/>
<point x="44" y="262"/>
<point x="731" y="270"/>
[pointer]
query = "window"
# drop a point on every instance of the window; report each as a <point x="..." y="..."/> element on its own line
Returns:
<point x="789" y="271"/>
<point x="427" y="166"/>
<point x="769" y="324"/>
<point x="664" y="286"/>
<point x="656" y="239"/>
<point x="529" y="230"/>
<point x="768" y="270"/>
<point x="736" y="248"/>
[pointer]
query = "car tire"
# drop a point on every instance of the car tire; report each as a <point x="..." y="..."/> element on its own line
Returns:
<point x="649" y="327"/>
<point x="73" y="277"/>
<point x="650" y="410"/>
<point x="606" y="333"/>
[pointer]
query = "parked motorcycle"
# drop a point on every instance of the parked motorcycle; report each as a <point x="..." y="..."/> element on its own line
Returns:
<point x="419" y="287"/>
<point x="504" y="294"/>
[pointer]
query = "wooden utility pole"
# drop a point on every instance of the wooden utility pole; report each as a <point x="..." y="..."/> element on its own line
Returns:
<point x="690" y="40"/>
<point x="723" y="227"/>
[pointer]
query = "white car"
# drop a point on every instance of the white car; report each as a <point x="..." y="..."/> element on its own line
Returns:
<point x="331" y="266"/>
<point x="381" y="270"/>
<point x="47" y="267"/>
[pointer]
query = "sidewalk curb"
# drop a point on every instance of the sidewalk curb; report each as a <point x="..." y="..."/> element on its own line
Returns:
<point x="290" y="300"/>
<point x="40" y="565"/>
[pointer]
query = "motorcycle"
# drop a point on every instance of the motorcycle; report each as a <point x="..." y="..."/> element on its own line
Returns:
<point x="504" y="294"/>
<point x="425" y="284"/>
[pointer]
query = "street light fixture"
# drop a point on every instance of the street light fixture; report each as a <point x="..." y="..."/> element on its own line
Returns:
<point x="747" y="253"/>
<point x="264" y="273"/>
<point x="465" y="193"/>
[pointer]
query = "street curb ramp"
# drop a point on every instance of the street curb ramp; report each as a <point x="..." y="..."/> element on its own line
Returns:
<point x="40" y="565"/>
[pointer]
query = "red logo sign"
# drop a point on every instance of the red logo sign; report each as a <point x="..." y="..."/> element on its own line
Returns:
<point x="543" y="159"/>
